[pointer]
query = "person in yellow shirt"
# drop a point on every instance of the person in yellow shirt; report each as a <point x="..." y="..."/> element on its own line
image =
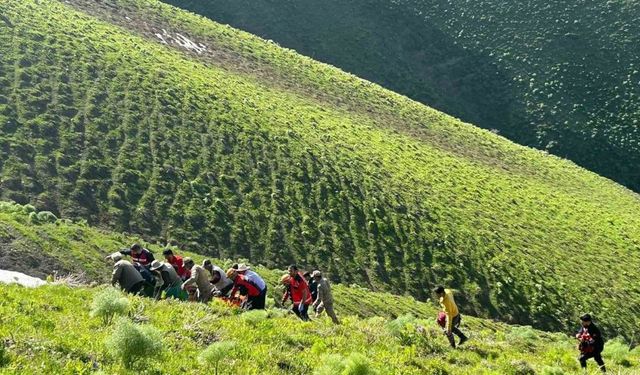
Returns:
<point x="445" y="297"/>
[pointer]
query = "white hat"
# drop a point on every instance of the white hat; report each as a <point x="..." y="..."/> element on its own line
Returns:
<point x="243" y="267"/>
<point x="116" y="257"/>
<point x="316" y="273"/>
<point x="155" y="265"/>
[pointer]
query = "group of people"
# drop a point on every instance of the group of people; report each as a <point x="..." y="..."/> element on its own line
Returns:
<point x="182" y="279"/>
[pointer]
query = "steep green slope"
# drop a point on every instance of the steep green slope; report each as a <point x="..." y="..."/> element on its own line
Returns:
<point x="50" y="329"/>
<point x="143" y="118"/>
<point x="559" y="76"/>
<point x="60" y="247"/>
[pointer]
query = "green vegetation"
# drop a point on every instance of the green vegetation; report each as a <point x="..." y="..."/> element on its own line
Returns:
<point x="132" y="343"/>
<point x="109" y="304"/>
<point x="51" y="330"/>
<point x="559" y="76"/>
<point x="237" y="148"/>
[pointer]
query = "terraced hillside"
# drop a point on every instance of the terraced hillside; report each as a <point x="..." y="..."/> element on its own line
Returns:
<point x="53" y="330"/>
<point x="143" y="118"/>
<point x="559" y="76"/>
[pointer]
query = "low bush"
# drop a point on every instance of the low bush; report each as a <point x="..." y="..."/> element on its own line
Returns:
<point x="354" y="364"/>
<point x="216" y="353"/>
<point x="254" y="317"/>
<point x="109" y="303"/>
<point x="131" y="342"/>
<point x="358" y="364"/>
<point x="331" y="364"/>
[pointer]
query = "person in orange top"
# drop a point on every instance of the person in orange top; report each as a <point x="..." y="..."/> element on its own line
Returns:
<point x="445" y="297"/>
<point x="297" y="289"/>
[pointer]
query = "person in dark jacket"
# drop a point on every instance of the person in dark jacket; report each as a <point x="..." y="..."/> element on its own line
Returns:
<point x="168" y="281"/>
<point x="125" y="275"/>
<point x="313" y="285"/>
<point x="139" y="255"/>
<point x="591" y="343"/>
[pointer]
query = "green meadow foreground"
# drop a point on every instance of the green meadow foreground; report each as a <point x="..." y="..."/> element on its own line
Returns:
<point x="52" y="330"/>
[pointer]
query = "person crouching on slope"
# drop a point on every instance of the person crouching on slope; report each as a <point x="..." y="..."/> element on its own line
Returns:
<point x="178" y="264"/>
<point x="297" y="289"/>
<point x="167" y="280"/>
<point x="591" y="343"/>
<point x="452" y="325"/>
<point x="248" y="283"/>
<point x="200" y="277"/>
<point x="126" y="275"/>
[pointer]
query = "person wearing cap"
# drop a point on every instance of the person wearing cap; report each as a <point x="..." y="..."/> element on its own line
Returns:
<point x="445" y="297"/>
<point x="139" y="255"/>
<point x="177" y="263"/>
<point x="167" y="281"/>
<point x="200" y="278"/>
<point x="125" y="275"/>
<point x="219" y="279"/>
<point x="591" y="343"/>
<point x="297" y="289"/>
<point x="324" y="301"/>
<point x="250" y="284"/>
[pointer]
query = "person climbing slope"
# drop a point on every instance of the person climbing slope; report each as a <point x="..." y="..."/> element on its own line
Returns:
<point x="297" y="289"/>
<point x="445" y="297"/>
<point x="591" y="343"/>
<point x="324" y="301"/>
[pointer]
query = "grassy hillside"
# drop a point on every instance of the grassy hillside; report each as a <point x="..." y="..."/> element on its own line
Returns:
<point x="559" y="76"/>
<point x="142" y="118"/>
<point x="51" y="329"/>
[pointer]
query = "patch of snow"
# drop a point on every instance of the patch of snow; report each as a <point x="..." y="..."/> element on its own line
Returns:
<point x="181" y="41"/>
<point x="9" y="277"/>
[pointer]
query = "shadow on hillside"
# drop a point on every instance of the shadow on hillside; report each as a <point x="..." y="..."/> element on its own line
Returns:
<point x="386" y="45"/>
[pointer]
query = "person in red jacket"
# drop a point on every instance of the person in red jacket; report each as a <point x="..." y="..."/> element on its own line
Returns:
<point x="297" y="289"/>
<point x="248" y="284"/>
<point x="177" y="263"/>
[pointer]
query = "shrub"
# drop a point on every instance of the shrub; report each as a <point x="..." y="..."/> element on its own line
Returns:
<point x="216" y="353"/>
<point x="403" y="328"/>
<point x="520" y="367"/>
<point x="332" y="364"/>
<point x="357" y="364"/>
<point x="109" y="303"/>
<point x="131" y="342"/>
<point x="253" y="317"/>
<point x="46" y="217"/>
